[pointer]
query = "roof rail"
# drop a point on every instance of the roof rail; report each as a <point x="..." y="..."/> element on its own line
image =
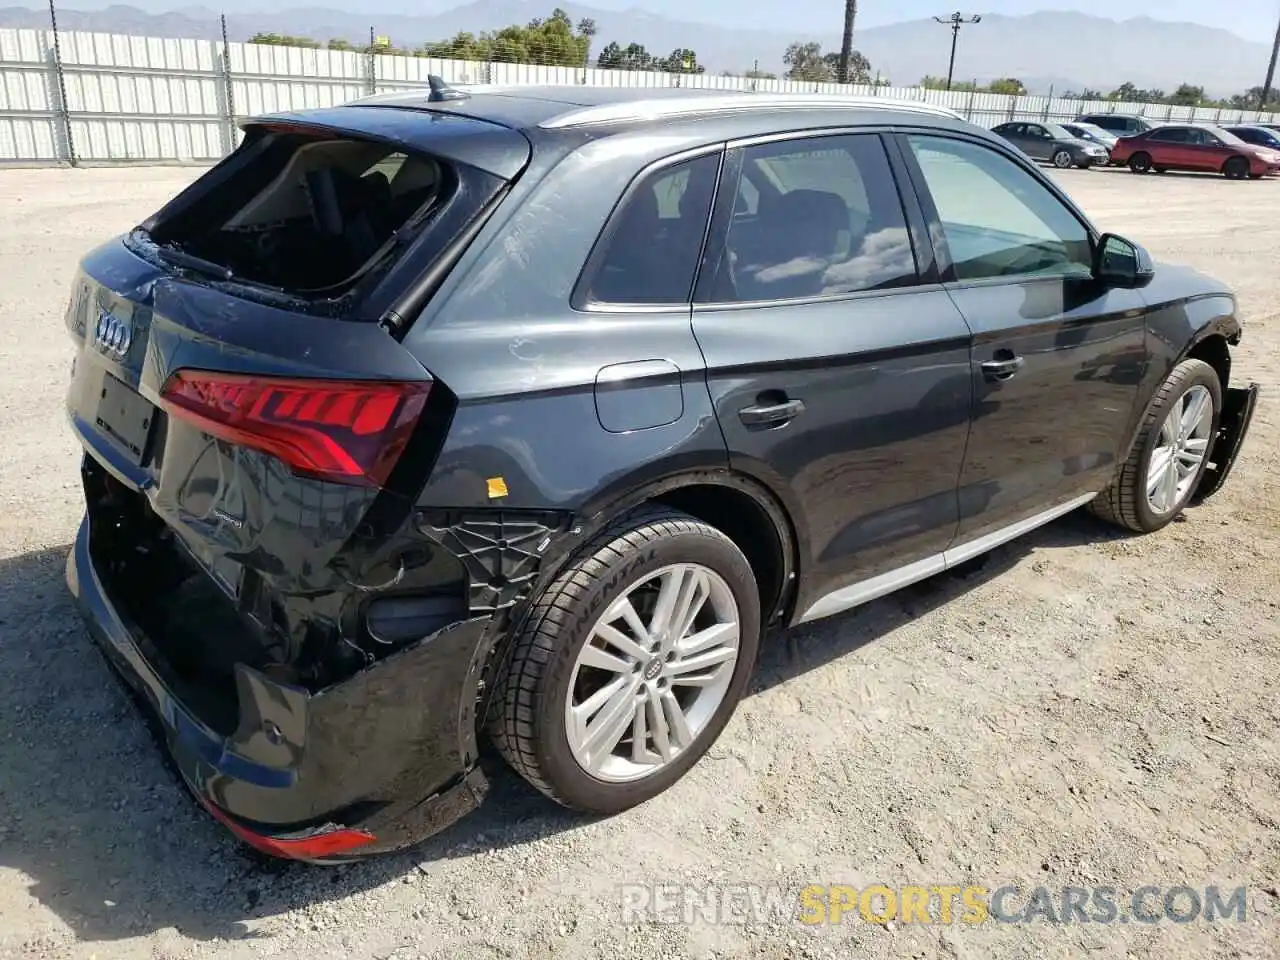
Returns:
<point x="657" y="109"/>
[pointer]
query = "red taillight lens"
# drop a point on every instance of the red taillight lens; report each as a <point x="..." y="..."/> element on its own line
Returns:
<point x="350" y="431"/>
<point x="315" y="846"/>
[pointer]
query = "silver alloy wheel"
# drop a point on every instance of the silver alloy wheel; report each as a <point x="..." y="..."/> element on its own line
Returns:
<point x="1181" y="447"/>
<point x="652" y="674"/>
<point x="1062" y="159"/>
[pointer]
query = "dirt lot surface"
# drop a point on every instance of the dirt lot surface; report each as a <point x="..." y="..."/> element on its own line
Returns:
<point x="1084" y="709"/>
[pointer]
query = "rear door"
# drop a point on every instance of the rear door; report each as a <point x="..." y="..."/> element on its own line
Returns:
<point x="1056" y="357"/>
<point x="837" y="363"/>
<point x="1170" y="146"/>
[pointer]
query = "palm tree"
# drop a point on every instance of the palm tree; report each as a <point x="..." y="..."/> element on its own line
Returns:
<point x="846" y="45"/>
<point x="587" y="29"/>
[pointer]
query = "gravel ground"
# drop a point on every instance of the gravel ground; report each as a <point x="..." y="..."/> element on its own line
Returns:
<point x="1083" y="708"/>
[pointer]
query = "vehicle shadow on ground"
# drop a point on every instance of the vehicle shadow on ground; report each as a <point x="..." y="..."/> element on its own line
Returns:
<point x="110" y="842"/>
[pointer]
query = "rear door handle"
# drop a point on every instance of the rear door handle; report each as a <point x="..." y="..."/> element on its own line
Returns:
<point x="772" y="413"/>
<point x="1003" y="369"/>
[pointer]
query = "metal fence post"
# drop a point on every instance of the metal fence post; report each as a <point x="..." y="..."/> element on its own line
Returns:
<point x="228" y="88"/>
<point x="373" y="64"/>
<point x="968" y="109"/>
<point x="64" y="112"/>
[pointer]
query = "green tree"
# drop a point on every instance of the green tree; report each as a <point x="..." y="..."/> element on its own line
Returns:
<point x="940" y="83"/>
<point x="1187" y="95"/>
<point x="284" y="40"/>
<point x="1249" y="100"/>
<point x="682" y="60"/>
<point x="806" y="61"/>
<point x="587" y="29"/>
<point x="1009" y="86"/>
<point x="551" y="41"/>
<point x="631" y="57"/>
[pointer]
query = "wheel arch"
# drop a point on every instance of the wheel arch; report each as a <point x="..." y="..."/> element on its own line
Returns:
<point x="740" y="506"/>
<point x="1211" y="343"/>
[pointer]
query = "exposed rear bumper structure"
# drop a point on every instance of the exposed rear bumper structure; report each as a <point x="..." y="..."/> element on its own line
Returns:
<point x="369" y="765"/>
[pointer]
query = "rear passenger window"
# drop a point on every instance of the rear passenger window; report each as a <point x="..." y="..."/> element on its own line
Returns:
<point x="650" y="249"/>
<point x="826" y="220"/>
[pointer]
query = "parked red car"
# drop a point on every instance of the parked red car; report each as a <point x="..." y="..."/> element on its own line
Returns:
<point x="1195" y="147"/>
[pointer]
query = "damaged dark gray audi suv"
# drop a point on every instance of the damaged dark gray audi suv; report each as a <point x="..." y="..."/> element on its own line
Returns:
<point x="516" y="418"/>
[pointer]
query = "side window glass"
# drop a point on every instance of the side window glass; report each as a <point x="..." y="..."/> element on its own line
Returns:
<point x="828" y="221"/>
<point x="998" y="220"/>
<point x="652" y="244"/>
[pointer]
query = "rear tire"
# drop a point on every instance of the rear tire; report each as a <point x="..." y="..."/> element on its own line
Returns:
<point x="581" y="639"/>
<point x="1236" y="168"/>
<point x="1140" y="163"/>
<point x="1130" y="501"/>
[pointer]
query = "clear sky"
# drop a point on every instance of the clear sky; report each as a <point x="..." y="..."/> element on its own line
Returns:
<point x="1252" y="19"/>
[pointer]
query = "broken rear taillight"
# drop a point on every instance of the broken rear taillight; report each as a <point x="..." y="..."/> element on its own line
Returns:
<point x="349" y="431"/>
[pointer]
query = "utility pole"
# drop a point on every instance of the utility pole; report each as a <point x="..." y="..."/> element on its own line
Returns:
<point x="955" y="22"/>
<point x="1271" y="71"/>
<point x="846" y="41"/>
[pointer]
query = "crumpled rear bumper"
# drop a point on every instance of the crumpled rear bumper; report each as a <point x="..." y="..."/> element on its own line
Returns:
<point x="390" y="752"/>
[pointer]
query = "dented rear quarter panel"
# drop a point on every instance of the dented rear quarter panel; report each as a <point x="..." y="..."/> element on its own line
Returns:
<point x="524" y="364"/>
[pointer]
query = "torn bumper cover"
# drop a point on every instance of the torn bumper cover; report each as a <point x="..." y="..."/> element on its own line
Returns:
<point x="1238" y="405"/>
<point x="369" y="765"/>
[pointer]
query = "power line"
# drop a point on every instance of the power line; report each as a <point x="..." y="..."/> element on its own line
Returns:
<point x="955" y="22"/>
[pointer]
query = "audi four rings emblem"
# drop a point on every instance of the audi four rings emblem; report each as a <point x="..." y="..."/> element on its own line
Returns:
<point x="113" y="335"/>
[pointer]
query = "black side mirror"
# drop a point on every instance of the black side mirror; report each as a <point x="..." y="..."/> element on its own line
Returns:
<point x="1118" y="262"/>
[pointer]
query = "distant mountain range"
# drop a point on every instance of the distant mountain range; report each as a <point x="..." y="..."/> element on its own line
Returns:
<point x="1059" y="49"/>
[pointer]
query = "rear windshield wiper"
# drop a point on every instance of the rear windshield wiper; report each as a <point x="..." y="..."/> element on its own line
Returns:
<point x="180" y="259"/>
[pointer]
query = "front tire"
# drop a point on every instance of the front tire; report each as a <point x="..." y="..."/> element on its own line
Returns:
<point x="1236" y="168"/>
<point x="630" y="664"/>
<point x="1170" y="454"/>
<point x="1062" y="160"/>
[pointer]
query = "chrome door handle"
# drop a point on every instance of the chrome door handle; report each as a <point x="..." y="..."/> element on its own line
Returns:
<point x="771" y="413"/>
<point x="1003" y="369"/>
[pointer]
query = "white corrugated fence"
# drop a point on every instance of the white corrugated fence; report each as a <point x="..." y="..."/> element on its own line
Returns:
<point x="147" y="99"/>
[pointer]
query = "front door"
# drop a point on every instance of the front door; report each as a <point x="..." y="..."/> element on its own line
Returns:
<point x="837" y="364"/>
<point x="1039" y="142"/>
<point x="1205" y="151"/>
<point x="1057" y="357"/>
